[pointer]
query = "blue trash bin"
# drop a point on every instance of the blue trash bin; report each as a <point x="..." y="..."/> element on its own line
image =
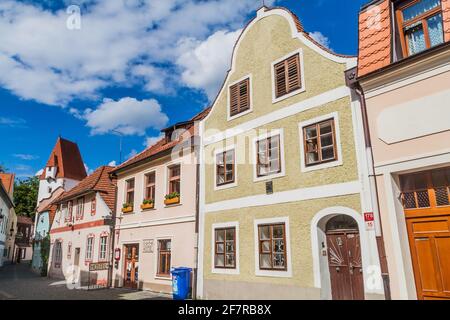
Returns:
<point x="181" y="280"/>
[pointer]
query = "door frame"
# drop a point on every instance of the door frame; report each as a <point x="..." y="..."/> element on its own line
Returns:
<point x="124" y="264"/>
<point x="369" y="252"/>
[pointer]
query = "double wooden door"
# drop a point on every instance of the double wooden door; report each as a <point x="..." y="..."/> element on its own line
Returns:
<point x="131" y="269"/>
<point x="345" y="265"/>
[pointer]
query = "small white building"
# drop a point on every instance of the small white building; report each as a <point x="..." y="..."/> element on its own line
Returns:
<point x="63" y="171"/>
<point x="80" y="234"/>
<point x="8" y="218"/>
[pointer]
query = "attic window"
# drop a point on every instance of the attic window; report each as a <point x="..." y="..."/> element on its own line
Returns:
<point x="240" y="97"/>
<point x="287" y="76"/>
<point x="420" y="25"/>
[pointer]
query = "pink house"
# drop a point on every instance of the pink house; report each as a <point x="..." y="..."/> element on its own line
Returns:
<point x="156" y="225"/>
<point x="404" y="74"/>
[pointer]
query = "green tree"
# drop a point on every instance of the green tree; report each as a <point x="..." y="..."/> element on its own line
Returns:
<point x="25" y="196"/>
<point x="45" y="253"/>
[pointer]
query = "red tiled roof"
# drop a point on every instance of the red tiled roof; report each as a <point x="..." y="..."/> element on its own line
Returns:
<point x="67" y="158"/>
<point x="446" y="18"/>
<point x="161" y="145"/>
<point x="99" y="181"/>
<point x="7" y="179"/>
<point x="374" y="38"/>
<point x="24" y="220"/>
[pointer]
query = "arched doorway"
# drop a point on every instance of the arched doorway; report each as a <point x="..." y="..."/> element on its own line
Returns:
<point x="344" y="258"/>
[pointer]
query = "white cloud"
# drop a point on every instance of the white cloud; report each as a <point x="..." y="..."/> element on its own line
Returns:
<point x="127" y="116"/>
<point x="12" y="122"/>
<point x="150" y="141"/>
<point x="205" y="63"/>
<point x="25" y="156"/>
<point x="112" y="163"/>
<point x="42" y="60"/>
<point x="131" y="154"/>
<point x="320" y="38"/>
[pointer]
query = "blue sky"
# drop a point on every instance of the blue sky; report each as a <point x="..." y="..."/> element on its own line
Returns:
<point x="135" y="66"/>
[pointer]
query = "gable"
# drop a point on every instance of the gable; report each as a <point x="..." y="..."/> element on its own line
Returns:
<point x="269" y="37"/>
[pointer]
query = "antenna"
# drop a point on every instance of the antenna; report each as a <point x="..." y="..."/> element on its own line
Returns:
<point x="120" y="144"/>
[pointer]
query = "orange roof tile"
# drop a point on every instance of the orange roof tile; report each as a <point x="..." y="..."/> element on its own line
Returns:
<point x="374" y="38"/>
<point x="99" y="181"/>
<point x="67" y="158"/>
<point x="7" y="179"/>
<point x="161" y="145"/>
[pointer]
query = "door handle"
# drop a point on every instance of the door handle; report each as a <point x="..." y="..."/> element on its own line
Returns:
<point x="338" y="269"/>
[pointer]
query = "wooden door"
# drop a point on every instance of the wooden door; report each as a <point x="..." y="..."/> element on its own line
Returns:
<point x="131" y="269"/>
<point x="429" y="240"/>
<point x="76" y="264"/>
<point x="426" y="202"/>
<point x="345" y="265"/>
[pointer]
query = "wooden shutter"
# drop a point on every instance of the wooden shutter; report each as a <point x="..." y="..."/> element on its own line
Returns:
<point x="239" y="97"/>
<point x="287" y="76"/>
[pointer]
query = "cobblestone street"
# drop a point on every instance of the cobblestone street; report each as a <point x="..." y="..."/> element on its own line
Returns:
<point x="18" y="282"/>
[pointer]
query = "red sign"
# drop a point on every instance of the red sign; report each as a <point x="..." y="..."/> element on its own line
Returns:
<point x="117" y="254"/>
<point x="368" y="217"/>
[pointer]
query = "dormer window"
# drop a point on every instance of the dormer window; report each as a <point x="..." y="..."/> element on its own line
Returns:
<point x="420" y="25"/>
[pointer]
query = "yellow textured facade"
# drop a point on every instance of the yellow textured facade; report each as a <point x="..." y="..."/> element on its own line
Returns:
<point x="265" y="41"/>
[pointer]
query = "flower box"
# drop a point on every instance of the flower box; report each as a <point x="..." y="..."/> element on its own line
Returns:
<point x="127" y="209"/>
<point x="147" y="206"/>
<point x="171" y="201"/>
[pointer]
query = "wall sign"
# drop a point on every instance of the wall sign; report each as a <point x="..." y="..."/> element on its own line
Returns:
<point x="100" y="266"/>
<point x="148" y="246"/>
<point x="369" y="219"/>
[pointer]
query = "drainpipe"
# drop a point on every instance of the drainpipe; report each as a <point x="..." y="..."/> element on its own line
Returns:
<point x="113" y="237"/>
<point x="374" y="192"/>
<point x="197" y="216"/>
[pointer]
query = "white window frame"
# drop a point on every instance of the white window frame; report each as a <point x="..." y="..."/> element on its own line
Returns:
<point x="166" y="180"/>
<point x="156" y="260"/>
<point x="91" y="258"/>
<point x="106" y="236"/>
<point x="228" y="185"/>
<point x="250" y="84"/>
<point x="270" y="133"/>
<point x="337" y="133"/>
<point x="302" y="76"/>
<point x="273" y="273"/>
<point x="232" y="224"/>
<point x="144" y="185"/>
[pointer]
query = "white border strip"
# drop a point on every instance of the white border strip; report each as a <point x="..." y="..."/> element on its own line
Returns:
<point x="316" y="101"/>
<point x="325" y="191"/>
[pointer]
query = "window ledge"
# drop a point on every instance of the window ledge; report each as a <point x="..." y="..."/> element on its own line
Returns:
<point x="160" y="277"/>
<point x="321" y="166"/>
<point x="172" y="205"/>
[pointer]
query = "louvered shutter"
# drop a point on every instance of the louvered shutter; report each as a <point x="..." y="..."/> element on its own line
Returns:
<point x="234" y="100"/>
<point x="293" y="67"/>
<point x="239" y="97"/>
<point x="280" y="79"/>
<point x="287" y="76"/>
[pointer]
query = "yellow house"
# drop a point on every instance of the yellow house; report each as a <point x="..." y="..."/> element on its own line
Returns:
<point x="285" y="198"/>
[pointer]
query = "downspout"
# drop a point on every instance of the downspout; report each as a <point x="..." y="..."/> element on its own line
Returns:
<point x="113" y="237"/>
<point x="374" y="192"/>
<point x="197" y="216"/>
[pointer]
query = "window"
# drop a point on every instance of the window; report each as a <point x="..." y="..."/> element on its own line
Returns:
<point x="80" y="208"/>
<point x="23" y="252"/>
<point x="225" y="248"/>
<point x="320" y="143"/>
<point x="103" y="248"/>
<point x="93" y="206"/>
<point x="58" y="254"/>
<point x="429" y="189"/>
<point x="269" y="156"/>
<point x="70" y="210"/>
<point x="164" y="256"/>
<point x="89" y="248"/>
<point x="174" y="178"/>
<point x="225" y="167"/>
<point x="240" y="97"/>
<point x="287" y="76"/>
<point x="130" y="192"/>
<point x="150" y="180"/>
<point x="272" y="247"/>
<point x="420" y="25"/>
